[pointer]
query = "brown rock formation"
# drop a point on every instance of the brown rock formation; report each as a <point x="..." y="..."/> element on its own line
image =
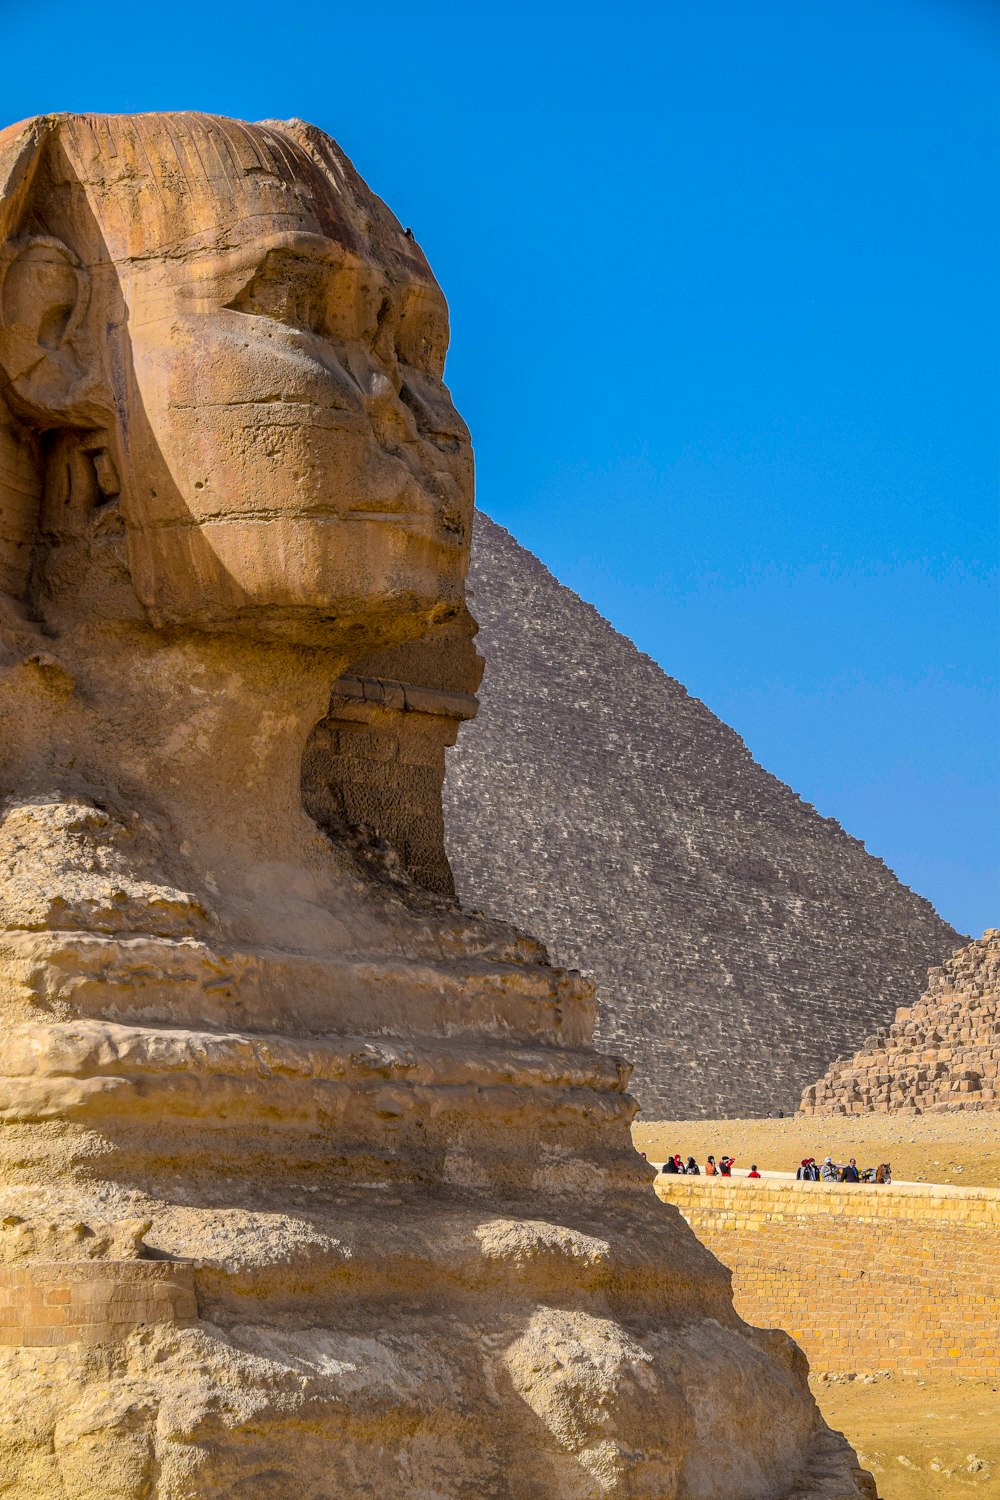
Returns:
<point x="245" y="1058"/>
<point x="942" y="1053"/>
<point x="739" y="940"/>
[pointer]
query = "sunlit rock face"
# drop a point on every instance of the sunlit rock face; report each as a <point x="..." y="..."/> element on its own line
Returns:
<point x="313" y="1183"/>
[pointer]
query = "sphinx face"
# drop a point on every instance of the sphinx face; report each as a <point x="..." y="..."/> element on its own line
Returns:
<point x="293" y="460"/>
<point x="229" y="318"/>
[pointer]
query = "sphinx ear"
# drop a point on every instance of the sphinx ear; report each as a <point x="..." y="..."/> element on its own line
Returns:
<point x="53" y="372"/>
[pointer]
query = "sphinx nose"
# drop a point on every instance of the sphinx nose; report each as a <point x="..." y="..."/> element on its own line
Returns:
<point x="392" y="419"/>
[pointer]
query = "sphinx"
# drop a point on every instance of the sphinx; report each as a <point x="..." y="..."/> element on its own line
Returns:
<point x="312" y="1182"/>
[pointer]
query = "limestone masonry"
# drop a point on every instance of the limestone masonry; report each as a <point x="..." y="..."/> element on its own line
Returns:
<point x="941" y="1053"/>
<point x="739" y="940"/>
<point x="903" y="1279"/>
<point x="313" y="1184"/>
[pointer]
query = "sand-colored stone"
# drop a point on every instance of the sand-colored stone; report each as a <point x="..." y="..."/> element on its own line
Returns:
<point x="372" y="1128"/>
<point x="49" y="1304"/>
<point x="943" y="1053"/>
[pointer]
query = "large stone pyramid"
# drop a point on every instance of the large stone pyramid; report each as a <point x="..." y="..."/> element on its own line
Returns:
<point x="942" y="1053"/>
<point x="740" y="941"/>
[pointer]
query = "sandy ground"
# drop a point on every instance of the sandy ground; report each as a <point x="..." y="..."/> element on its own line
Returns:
<point x="961" y="1148"/>
<point x="922" y="1439"/>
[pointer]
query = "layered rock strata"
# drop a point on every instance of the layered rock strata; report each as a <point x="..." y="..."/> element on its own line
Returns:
<point x="317" y="1181"/>
<point x="740" y="941"/>
<point x="942" y="1053"/>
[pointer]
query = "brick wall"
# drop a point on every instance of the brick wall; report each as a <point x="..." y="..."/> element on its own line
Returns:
<point x="903" y="1279"/>
<point x="91" y="1301"/>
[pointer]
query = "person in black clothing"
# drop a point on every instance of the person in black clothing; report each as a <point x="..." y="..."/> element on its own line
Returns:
<point x="669" y="1166"/>
<point x="850" y="1172"/>
<point x="692" y="1169"/>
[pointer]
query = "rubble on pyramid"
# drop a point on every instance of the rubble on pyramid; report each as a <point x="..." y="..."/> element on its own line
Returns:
<point x="941" y="1053"/>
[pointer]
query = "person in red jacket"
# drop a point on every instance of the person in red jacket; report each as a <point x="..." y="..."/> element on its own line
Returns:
<point x="753" y="1171"/>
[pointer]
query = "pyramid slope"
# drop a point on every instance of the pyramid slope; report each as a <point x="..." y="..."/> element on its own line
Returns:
<point x="740" y="940"/>
<point x="941" y="1054"/>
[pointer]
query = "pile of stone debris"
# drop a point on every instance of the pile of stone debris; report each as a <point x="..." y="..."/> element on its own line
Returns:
<point x="942" y="1053"/>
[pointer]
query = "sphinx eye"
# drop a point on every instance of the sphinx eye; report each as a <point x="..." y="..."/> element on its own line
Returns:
<point x="288" y="289"/>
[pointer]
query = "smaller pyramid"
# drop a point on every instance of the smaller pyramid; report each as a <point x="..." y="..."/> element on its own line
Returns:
<point x="942" y="1053"/>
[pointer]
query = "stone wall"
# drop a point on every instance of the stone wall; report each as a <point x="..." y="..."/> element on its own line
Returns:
<point x="44" y="1304"/>
<point x="942" y="1053"/>
<point x="740" y="941"/>
<point x="903" y="1279"/>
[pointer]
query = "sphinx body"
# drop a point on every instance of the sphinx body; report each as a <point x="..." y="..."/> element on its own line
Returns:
<point x="313" y="1183"/>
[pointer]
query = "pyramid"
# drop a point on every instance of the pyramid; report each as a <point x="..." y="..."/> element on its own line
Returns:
<point x="740" y="941"/>
<point x="941" y="1054"/>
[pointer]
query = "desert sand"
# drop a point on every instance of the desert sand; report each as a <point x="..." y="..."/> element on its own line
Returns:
<point x="922" y="1439"/>
<point x="961" y="1148"/>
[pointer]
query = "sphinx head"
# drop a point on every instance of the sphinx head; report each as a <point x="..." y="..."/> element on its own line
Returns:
<point x="221" y="362"/>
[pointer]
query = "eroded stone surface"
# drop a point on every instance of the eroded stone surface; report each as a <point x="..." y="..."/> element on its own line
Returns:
<point x="371" y="1127"/>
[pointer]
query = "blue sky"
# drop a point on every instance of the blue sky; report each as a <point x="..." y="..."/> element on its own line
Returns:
<point x="725" y="315"/>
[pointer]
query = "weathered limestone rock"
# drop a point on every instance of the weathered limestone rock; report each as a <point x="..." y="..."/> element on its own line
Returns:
<point x="314" y="1184"/>
<point x="942" y="1053"/>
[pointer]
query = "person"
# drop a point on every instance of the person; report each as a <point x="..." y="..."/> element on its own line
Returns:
<point x="726" y="1166"/>
<point x="813" y="1169"/>
<point x="692" y="1169"/>
<point x="679" y="1165"/>
<point x="753" y="1170"/>
<point x="669" y="1165"/>
<point x="850" y="1172"/>
<point x="804" y="1173"/>
<point x="711" y="1170"/>
<point x="828" y="1172"/>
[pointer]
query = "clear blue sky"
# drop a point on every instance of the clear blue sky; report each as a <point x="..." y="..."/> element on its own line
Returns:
<point x="725" y="314"/>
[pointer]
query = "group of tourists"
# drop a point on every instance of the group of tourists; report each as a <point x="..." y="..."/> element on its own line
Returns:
<point x="721" y="1168"/>
<point x="809" y="1170"/>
